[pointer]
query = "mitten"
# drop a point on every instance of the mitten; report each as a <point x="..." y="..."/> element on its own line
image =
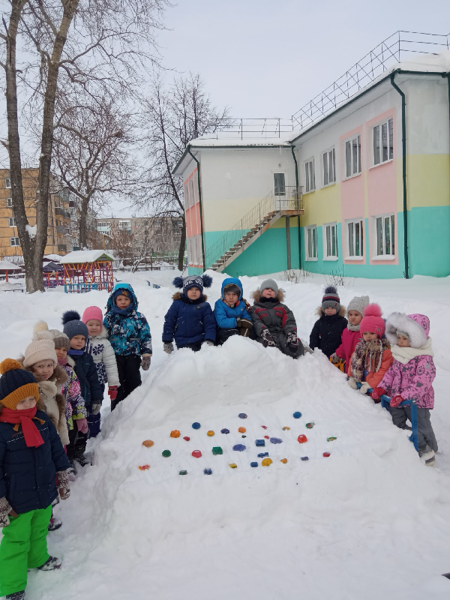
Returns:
<point x="5" y="509"/>
<point x="378" y="392"/>
<point x="63" y="484"/>
<point x="112" y="392"/>
<point x="208" y="343"/>
<point x="82" y="425"/>
<point x="334" y="358"/>
<point x="95" y="409"/>
<point x="145" y="362"/>
<point x="365" y="387"/>
<point x="246" y="323"/>
<point x="395" y="401"/>
<point x="352" y="383"/>
<point x="168" y="347"/>
<point x="292" y="339"/>
<point x="267" y="338"/>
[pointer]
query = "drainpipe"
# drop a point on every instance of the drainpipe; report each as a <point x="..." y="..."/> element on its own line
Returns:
<point x="200" y="206"/>
<point x="405" y="193"/>
<point x="298" y="217"/>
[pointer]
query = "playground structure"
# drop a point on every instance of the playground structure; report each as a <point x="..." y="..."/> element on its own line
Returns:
<point x="87" y="270"/>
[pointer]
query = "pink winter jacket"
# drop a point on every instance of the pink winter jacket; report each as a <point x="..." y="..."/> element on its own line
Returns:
<point x="349" y="341"/>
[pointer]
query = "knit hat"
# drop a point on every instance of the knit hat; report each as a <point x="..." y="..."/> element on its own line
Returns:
<point x="269" y="284"/>
<point x="93" y="313"/>
<point x="372" y="320"/>
<point x="331" y="299"/>
<point x="358" y="304"/>
<point x="42" y="332"/>
<point x="60" y="339"/>
<point x="232" y="288"/>
<point x="16" y="384"/>
<point x="40" y="350"/>
<point x="193" y="281"/>
<point x="73" y="325"/>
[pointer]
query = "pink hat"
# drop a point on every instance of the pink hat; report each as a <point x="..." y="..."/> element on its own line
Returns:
<point x="372" y="320"/>
<point x="92" y="313"/>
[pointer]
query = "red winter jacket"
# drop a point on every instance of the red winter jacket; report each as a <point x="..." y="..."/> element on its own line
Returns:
<point x="348" y="345"/>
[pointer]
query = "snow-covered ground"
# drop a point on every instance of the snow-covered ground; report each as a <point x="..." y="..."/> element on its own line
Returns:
<point x="368" y="522"/>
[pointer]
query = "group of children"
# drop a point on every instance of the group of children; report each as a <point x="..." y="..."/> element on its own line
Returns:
<point x="50" y="400"/>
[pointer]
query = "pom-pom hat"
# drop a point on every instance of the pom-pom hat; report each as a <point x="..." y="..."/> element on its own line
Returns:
<point x="73" y="325"/>
<point x="193" y="281"/>
<point x="331" y="299"/>
<point x="372" y="321"/>
<point x="42" y="332"/>
<point x="16" y="384"/>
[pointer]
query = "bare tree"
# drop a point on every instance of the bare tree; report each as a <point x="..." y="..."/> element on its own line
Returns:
<point x="89" y="44"/>
<point x="175" y="116"/>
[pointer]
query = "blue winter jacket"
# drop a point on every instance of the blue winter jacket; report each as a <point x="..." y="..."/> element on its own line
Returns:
<point x="27" y="475"/>
<point x="189" y="321"/>
<point x="225" y="315"/>
<point x="86" y="371"/>
<point x="128" y="333"/>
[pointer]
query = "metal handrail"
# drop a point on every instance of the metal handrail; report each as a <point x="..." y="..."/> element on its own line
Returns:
<point x="288" y="198"/>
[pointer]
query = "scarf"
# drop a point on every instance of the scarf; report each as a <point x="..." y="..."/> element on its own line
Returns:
<point x="368" y="356"/>
<point x="353" y="327"/>
<point x="73" y="352"/>
<point x="404" y="355"/>
<point x="63" y="361"/>
<point x="123" y="311"/>
<point x="25" y="418"/>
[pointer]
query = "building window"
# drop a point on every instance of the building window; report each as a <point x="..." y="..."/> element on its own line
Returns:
<point x="385" y="235"/>
<point x="310" y="177"/>
<point x="355" y="239"/>
<point x="279" y="184"/>
<point x="199" y="250"/>
<point x="186" y="195"/>
<point x="11" y="222"/>
<point x="125" y="225"/>
<point x="353" y="156"/>
<point x="329" y="167"/>
<point x="311" y="243"/>
<point x="7" y="182"/>
<point x="14" y="241"/>
<point x="8" y="202"/>
<point x="330" y="248"/>
<point x="191" y="191"/>
<point x="383" y="142"/>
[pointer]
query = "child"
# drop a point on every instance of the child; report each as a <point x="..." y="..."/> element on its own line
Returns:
<point x="129" y="334"/>
<point x="327" y="331"/>
<point x="32" y="459"/>
<point x="372" y="357"/>
<point x="190" y="319"/>
<point x="274" y="322"/>
<point x="351" y="335"/>
<point x="84" y="367"/>
<point x="231" y="312"/>
<point x="411" y="377"/>
<point x="101" y="351"/>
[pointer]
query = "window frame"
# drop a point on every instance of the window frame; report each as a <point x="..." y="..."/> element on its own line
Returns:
<point x="283" y="194"/>
<point x="9" y="203"/>
<point x="379" y="126"/>
<point x="8" y="183"/>
<point x="331" y="257"/>
<point x="11" y="222"/>
<point x="311" y="175"/>
<point x="350" y="141"/>
<point x="308" y="257"/>
<point x="16" y="240"/>
<point x="349" y="256"/>
<point x="329" y="152"/>
<point x="392" y="240"/>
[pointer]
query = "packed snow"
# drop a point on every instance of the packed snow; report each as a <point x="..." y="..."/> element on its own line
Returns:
<point x="368" y="522"/>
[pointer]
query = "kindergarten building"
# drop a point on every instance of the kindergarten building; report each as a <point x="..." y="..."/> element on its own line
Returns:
<point x="360" y="187"/>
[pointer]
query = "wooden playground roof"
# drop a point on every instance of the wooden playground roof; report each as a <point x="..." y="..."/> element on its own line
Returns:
<point x="86" y="256"/>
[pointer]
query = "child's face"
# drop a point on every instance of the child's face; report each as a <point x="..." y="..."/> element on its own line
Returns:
<point x="231" y="298"/>
<point x="27" y="403"/>
<point x="61" y="352"/>
<point x="78" y="342"/>
<point x="95" y="327"/>
<point x="123" y="302"/>
<point x="354" y="317"/>
<point x="193" y="293"/>
<point x="268" y="293"/>
<point x="329" y="311"/>
<point x="44" y="369"/>
<point x="403" y="341"/>
<point x="369" y="336"/>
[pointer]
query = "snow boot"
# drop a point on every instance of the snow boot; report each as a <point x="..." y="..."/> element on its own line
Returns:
<point x="51" y="564"/>
<point x="428" y="456"/>
<point x="16" y="596"/>
<point x="82" y="460"/>
<point x="54" y="524"/>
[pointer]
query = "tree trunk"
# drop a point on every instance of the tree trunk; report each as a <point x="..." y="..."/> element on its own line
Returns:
<point x="83" y="223"/>
<point x="182" y="246"/>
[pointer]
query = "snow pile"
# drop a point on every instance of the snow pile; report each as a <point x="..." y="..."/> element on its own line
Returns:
<point x="369" y="521"/>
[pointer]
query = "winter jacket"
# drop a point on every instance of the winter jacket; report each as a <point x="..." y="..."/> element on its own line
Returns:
<point x="349" y="340"/>
<point x="86" y="372"/>
<point x="189" y="321"/>
<point x="54" y="402"/>
<point x="374" y="378"/>
<point x="226" y="315"/>
<point x="27" y="474"/>
<point x="128" y="333"/>
<point x="104" y="357"/>
<point x="327" y="332"/>
<point x="275" y="316"/>
<point x="71" y="391"/>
